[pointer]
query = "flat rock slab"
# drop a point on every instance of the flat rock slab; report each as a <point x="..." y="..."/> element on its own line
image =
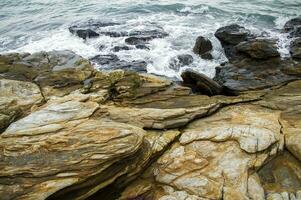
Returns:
<point x="59" y="152"/>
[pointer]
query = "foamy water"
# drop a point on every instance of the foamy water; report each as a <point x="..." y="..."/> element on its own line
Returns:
<point x="42" y="25"/>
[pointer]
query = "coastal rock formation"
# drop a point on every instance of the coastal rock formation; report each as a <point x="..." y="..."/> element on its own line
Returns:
<point x="69" y="131"/>
<point x="16" y="99"/>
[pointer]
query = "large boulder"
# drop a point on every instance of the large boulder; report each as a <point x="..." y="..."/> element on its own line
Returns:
<point x="56" y="72"/>
<point x="255" y="74"/>
<point x="16" y="99"/>
<point x="215" y="158"/>
<point x="230" y="36"/>
<point x="201" y="83"/>
<point x="202" y="47"/>
<point x="259" y="48"/>
<point x="60" y="152"/>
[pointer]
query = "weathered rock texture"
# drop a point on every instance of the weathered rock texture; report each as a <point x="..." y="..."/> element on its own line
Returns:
<point x="71" y="132"/>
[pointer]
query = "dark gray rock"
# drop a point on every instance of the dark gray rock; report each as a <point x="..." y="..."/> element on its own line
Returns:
<point x="201" y="83"/>
<point x="291" y="24"/>
<point x="143" y="37"/>
<point x="121" y="48"/>
<point x="138" y="40"/>
<point x="142" y="46"/>
<point x="207" y="56"/>
<point x="293" y="27"/>
<point x="112" y="62"/>
<point x="83" y="33"/>
<point x="253" y="74"/>
<point x="180" y="61"/>
<point x="202" y="46"/>
<point x="232" y="34"/>
<point x="296" y="48"/>
<point x="259" y="48"/>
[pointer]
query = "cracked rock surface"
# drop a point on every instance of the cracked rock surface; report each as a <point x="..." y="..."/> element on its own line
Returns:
<point x="68" y="131"/>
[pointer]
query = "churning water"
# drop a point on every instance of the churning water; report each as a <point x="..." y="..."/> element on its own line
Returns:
<point x="42" y="25"/>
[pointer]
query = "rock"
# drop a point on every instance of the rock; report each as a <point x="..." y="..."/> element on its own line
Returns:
<point x="296" y="48"/>
<point x="232" y="34"/>
<point x="141" y="46"/>
<point x="291" y="127"/>
<point x="281" y="175"/>
<point x="66" y="140"/>
<point x="252" y="74"/>
<point x="285" y="98"/>
<point x="207" y="56"/>
<point x="83" y="33"/>
<point x="143" y="37"/>
<point x="201" y="83"/>
<point x="210" y="161"/>
<point x="120" y="48"/>
<point x="138" y="40"/>
<point x="112" y="62"/>
<point x="292" y="24"/>
<point x="259" y="48"/>
<point x="16" y="99"/>
<point x="89" y="29"/>
<point x="180" y="61"/>
<point x="255" y="190"/>
<point x="202" y="47"/>
<point x="57" y="72"/>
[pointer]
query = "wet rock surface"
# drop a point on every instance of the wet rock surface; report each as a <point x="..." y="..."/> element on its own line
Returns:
<point x="112" y="62"/>
<point x="296" y="48"/>
<point x="180" y="61"/>
<point x="201" y="83"/>
<point x="202" y="47"/>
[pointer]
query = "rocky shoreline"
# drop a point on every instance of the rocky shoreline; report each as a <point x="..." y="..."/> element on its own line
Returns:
<point x="69" y="131"/>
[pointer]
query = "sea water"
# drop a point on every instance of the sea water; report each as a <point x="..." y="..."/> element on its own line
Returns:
<point x="42" y="25"/>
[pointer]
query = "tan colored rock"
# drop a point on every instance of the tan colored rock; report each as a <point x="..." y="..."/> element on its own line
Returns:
<point x="60" y="152"/>
<point x="203" y="165"/>
<point x="291" y="123"/>
<point x="172" y="112"/>
<point x="16" y="98"/>
<point x="281" y="175"/>
<point x="255" y="190"/>
<point x="255" y="129"/>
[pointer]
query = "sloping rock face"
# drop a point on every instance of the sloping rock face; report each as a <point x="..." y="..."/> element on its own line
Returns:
<point x="17" y="98"/>
<point x="71" y="132"/>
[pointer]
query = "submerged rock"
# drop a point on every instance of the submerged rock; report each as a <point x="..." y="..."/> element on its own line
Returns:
<point x="202" y="47"/>
<point x="83" y="33"/>
<point x="201" y="83"/>
<point x="180" y="61"/>
<point x="259" y="48"/>
<point x="112" y="62"/>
